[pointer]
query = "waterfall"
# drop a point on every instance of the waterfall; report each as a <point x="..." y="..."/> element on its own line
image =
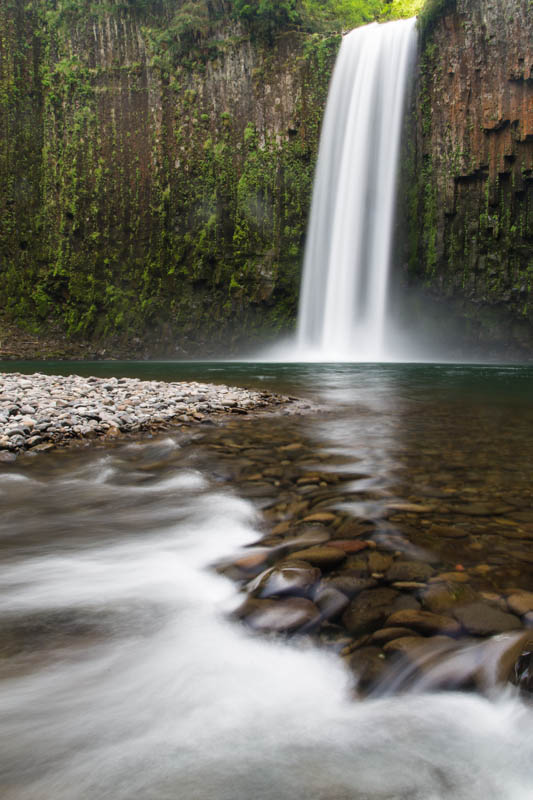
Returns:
<point x="343" y="300"/>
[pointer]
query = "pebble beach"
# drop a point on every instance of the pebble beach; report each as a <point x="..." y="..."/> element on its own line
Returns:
<point x="39" y="412"/>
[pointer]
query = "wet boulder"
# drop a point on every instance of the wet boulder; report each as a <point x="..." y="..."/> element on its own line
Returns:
<point x="368" y="666"/>
<point x="325" y="557"/>
<point x="520" y="603"/>
<point x="482" y="619"/>
<point x="369" y="610"/>
<point x="424" y="622"/>
<point x="287" y="578"/>
<point x="286" y="615"/>
<point x="409" y="571"/>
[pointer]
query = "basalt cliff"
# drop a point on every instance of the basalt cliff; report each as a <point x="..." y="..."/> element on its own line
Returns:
<point x="471" y="164"/>
<point x="155" y="173"/>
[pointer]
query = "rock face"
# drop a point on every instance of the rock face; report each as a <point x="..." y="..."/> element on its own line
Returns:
<point x="155" y="173"/>
<point x="472" y="161"/>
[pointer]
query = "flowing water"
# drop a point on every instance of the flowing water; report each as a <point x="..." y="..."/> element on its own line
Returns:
<point x="343" y="303"/>
<point x="122" y="672"/>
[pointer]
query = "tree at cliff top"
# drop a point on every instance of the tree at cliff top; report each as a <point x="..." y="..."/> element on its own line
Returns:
<point x="266" y="17"/>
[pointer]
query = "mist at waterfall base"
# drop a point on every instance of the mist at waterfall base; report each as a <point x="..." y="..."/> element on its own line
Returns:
<point x="351" y="307"/>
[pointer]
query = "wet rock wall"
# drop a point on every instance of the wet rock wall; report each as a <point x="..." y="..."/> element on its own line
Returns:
<point x="154" y="178"/>
<point x="471" y="186"/>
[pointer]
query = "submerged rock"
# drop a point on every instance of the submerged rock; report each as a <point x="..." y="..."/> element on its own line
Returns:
<point x="484" y="620"/>
<point x="409" y="571"/>
<point x="368" y="666"/>
<point x="520" y="603"/>
<point x="368" y="610"/>
<point x="293" y="577"/>
<point x="424" y="621"/>
<point x="279" y="616"/>
<point x="325" y="556"/>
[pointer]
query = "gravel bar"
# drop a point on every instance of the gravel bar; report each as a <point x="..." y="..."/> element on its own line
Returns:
<point x="39" y="412"/>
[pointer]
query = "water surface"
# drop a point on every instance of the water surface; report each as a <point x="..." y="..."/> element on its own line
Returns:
<point x="123" y="674"/>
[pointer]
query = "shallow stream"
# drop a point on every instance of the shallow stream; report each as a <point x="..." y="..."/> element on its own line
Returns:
<point x="125" y="674"/>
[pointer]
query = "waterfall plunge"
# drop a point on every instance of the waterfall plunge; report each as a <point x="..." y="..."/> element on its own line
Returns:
<point x="343" y="302"/>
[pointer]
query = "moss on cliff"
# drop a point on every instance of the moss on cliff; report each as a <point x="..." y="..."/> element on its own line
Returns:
<point x="155" y="178"/>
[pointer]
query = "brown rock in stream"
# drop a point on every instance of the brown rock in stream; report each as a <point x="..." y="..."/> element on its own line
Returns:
<point x="450" y="577"/>
<point x="349" y="545"/>
<point x="351" y="585"/>
<point x="384" y="635"/>
<point x="424" y="622"/>
<point x="409" y="571"/>
<point x="368" y="666"/>
<point x="484" y="620"/>
<point x="379" y="562"/>
<point x="447" y="532"/>
<point x="520" y="603"/>
<point x="292" y="577"/>
<point x="330" y="601"/>
<point x="440" y="597"/>
<point x="324" y="557"/>
<point x="279" y="616"/>
<point x="368" y="610"/>
<point x="321" y="516"/>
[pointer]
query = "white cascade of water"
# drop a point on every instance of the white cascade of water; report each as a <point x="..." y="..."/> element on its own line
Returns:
<point x="343" y="300"/>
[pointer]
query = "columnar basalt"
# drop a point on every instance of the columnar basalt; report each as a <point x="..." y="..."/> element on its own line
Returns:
<point x="155" y="180"/>
<point x="473" y="165"/>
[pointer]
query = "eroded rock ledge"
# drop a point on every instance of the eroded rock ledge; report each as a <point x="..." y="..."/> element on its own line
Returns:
<point x="39" y="412"/>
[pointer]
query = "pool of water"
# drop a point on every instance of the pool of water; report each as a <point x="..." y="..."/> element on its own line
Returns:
<point x="123" y="672"/>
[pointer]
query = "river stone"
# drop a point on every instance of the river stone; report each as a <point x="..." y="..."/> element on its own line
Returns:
<point x="424" y="622"/>
<point x="484" y="620"/>
<point x="409" y="571"/>
<point x="450" y="577"/>
<point x="281" y="528"/>
<point x="295" y="578"/>
<point x="408" y="585"/>
<point x="330" y="601"/>
<point x="424" y="655"/>
<point x="252" y="561"/>
<point x="349" y="545"/>
<point x="303" y="541"/>
<point x="481" y="509"/>
<point x="501" y="656"/>
<point x="379" y="562"/>
<point x="523" y="555"/>
<point x="351" y="585"/>
<point x="441" y="597"/>
<point x="325" y="556"/>
<point x="405" y="645"/>
<point x="521" y="603"/>
<point x="448" y="532"/>
<point x="351" y="529"/>
<point x="384" y="635"/>
<point x="368" y="610"/>
<point x="410" y="508"/>
<point x="368" y="665"/>
<point x="320" y="516"/>
<point x="405" y="601"/>
<point x="279" y="616"/>
<point x="307" y="535"/>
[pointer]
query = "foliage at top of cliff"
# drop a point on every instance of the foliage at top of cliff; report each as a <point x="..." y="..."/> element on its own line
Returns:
<point x="431" y="12"/>
<point x="269" y="16"/>
<point x="177" y="26"/>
